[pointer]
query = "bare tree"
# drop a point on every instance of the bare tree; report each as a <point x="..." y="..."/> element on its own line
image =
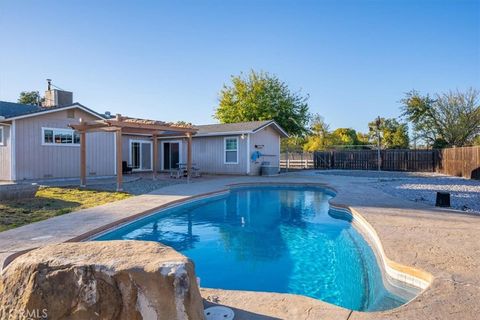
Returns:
<point x="451" y="119"/>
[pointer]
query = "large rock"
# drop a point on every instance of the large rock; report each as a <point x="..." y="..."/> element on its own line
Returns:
<point x="101" y="280"/>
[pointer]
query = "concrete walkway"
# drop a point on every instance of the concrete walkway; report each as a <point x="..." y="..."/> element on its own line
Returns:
<point x="443" y="243"/>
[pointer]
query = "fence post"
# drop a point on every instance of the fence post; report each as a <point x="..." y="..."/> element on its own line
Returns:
<point x="288" y="161"/>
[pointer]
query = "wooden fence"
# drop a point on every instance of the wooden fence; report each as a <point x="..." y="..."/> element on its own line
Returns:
<point x="452" y="161"/>
<point x="297" y="160"/>
<point x="461" y="162"/>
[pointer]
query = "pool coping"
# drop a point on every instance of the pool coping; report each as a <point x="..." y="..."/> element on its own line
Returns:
<point x="225" y="187"/>
<point x="389" y="268"/>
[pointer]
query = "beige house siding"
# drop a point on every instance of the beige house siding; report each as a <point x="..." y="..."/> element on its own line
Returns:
<point x="37" y="161"/>
<point x="5" y="155"/>
<point x="208" y="155"/>
<point x="267" y="141"/>
<point x="208" y="152"/>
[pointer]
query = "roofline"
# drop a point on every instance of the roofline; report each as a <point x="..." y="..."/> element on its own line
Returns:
<point x="286" y="135"/>
<point x="42" y="112"/>
<point x="223" y="133"/>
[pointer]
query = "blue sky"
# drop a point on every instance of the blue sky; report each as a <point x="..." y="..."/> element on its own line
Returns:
<point x="168" y="60"/>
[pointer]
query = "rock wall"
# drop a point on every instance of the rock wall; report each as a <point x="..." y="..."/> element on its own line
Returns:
<point x="101" y="280"/>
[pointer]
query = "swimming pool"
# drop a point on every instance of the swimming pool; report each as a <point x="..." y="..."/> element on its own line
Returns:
<point x="282" y="239"/>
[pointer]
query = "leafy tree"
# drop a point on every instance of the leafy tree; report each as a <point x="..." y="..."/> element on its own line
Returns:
<point x="293" y="144"/>
<point x="394" y="135"/>
<point x="30" y="97"/>
<point x="452" y="119"/>
<point x="345" y="136"/>
<point x="320" y="136"/>
<point x="363" y="138"/>
<point x="262" y="96"/>
<point x="476" y="141"/>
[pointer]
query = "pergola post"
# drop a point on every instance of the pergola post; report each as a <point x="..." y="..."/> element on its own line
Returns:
<point x="189" y="155"/>
<point x="83" y="159"/>
<point x="125" y="125"/>
<point x="118" y="138"/>
<point x="155" y="156"/>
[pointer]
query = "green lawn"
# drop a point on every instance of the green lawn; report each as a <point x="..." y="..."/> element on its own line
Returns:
<point x="50" y="202"/>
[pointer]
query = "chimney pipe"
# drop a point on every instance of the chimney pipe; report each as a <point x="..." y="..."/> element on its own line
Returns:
<point x="49" y="86"/>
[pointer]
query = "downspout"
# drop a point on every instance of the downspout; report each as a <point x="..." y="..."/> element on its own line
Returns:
<point x="114" y="154"/>
<point x="13" y="165"/>
<point x="248" y="153"/>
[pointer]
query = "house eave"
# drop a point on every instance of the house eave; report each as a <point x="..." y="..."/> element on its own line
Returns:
<point x="73" y="106"/>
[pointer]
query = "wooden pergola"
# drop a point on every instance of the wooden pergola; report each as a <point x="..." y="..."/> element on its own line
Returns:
<point x="125" y="125"/>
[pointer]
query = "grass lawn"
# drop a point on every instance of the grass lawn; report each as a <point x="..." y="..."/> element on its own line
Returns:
<point x="50" y="202"/>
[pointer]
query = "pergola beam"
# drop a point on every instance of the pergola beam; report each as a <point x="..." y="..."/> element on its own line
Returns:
<point x="123" y="125"/>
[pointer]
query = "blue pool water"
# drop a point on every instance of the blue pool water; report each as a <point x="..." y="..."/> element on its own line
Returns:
<point x="276" y="239"/>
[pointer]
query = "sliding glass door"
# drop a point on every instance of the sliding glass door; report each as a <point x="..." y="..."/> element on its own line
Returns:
<point x="141" y="155"/>
<point x="171" y="155"/>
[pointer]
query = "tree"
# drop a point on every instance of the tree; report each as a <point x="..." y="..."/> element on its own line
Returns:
<point x="394" y="135"/>
<point x="345" y="136"/>
<point x="363" y="138"/>
<point x="293" y="144"/>
<point x="452" y="119"/>
<point x="262" y="96"/>
<point x="30" y="97"/>
<point x="319" y="137"/>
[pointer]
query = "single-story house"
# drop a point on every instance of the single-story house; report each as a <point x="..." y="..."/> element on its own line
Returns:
<point x="37" y="142"/>
<point x="230" y="148"/>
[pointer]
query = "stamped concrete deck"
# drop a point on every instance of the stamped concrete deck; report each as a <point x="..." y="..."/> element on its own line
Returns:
<point x="443" y="243"/>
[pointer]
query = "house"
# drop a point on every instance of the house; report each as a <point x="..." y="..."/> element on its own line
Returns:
<point x="231" y="148"/>
<point x="38" y="142"/>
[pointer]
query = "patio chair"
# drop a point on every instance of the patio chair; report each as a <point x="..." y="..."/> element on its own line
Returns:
<point x="196" y="172"/>
<point x="126" y="168"/>
<point x="176" y="173"/>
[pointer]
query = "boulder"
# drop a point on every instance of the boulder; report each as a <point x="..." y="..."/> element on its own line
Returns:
<point x="101" y="280"/>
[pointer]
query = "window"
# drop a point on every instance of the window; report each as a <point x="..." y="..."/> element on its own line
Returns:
<point x="71" y="113"/>
<point x="60" y="137"/>
<point x="231" y="150"/>
<point x="1" y="136"/>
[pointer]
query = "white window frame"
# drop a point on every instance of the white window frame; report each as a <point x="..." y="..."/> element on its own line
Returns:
<point x="64" y="130"/>
<point x="225" y="150"/>
<point x="130" y="142"/>
<point x="2" y="136"/>
<point x="180" y="151"/>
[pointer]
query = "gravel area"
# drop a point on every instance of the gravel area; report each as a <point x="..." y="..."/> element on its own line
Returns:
<point x="135" y="184"/>
<point x="140" y="186"/>
<point x="421" y="187"/>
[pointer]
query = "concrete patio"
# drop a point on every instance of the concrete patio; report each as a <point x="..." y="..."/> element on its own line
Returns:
<point x="442" y="243"/>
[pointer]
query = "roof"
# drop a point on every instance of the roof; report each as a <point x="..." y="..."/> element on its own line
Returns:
<point x="238" y="127"/>
<point x="11" y="110"/>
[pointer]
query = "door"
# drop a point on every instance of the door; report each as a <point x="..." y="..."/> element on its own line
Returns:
<point x="171" y="155"/>
<point x="141" y="155"/>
